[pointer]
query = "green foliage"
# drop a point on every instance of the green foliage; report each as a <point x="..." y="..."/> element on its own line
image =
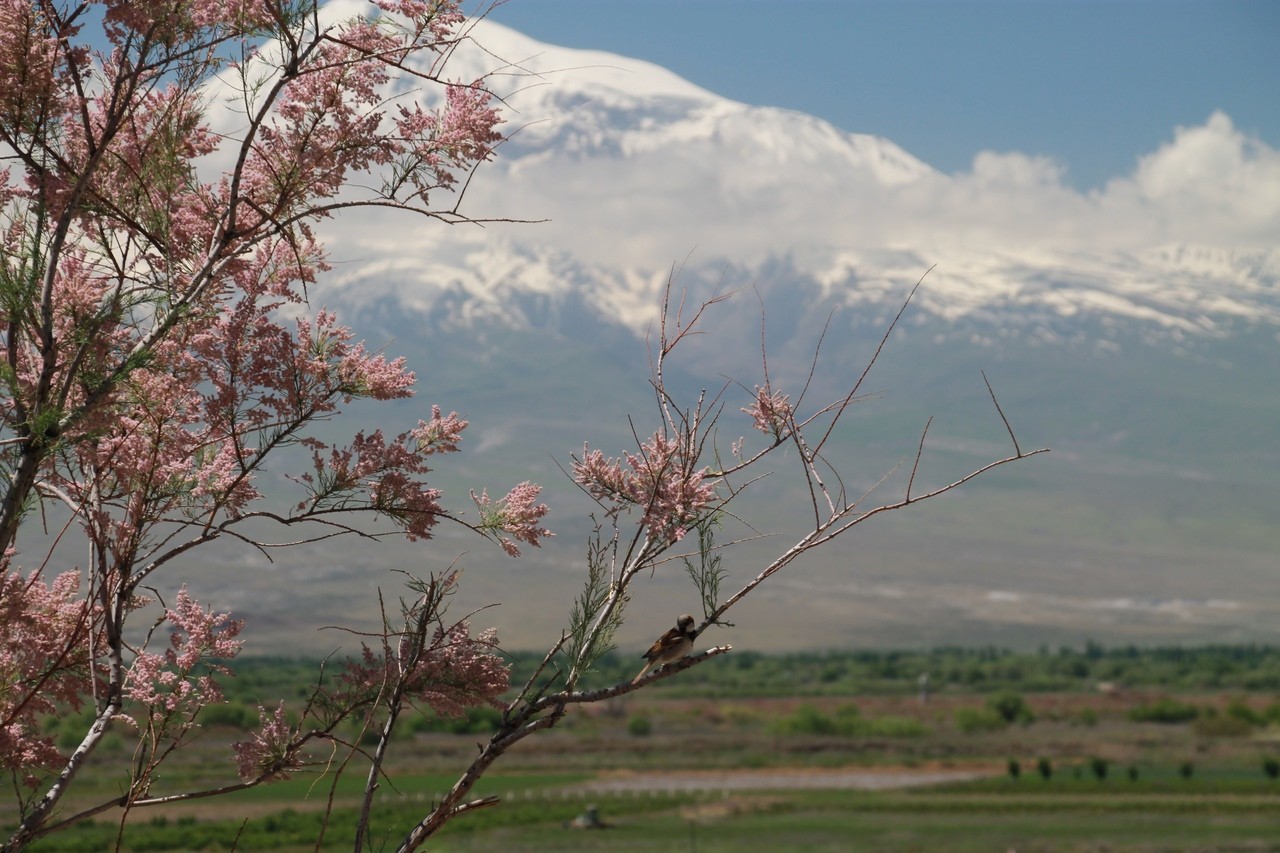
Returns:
<point x="805" y="720"/>
<point x="1221" y="725"/>
<point x="971" y="720"/>
<point x="1011" y="707"/>
<point x="591" y="630"/>
<point x="639" y="726"/>
<point x="846" y="722"/>
<point x="1186" y="769"/>
<point x="1239" y="709"/>
<point x="1045" y="768"/>
<point x="1086" y="717"/>
<point x="1168" y="711"/>
<point x="1099" y="766"/>
<point x="1271" y="767"/>
<point x="1015" y="769"/>
<point x="234" y="715"/>
<point x="708" y="572"/>
<point x="954" y="670"/>
<point x="482" y="720"/>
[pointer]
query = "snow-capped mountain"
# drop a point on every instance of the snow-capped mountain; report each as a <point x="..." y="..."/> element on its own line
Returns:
<point x="629" y="169"/>
<point x="1133" y="328"/>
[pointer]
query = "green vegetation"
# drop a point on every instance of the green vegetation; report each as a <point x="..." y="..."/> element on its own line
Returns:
<point x="847" y="721"/>
<point x="1164" y="710"/>
<point x="1139" y="765"/>
<point x="1247" y="668"/>
<point x="988" y="670"/>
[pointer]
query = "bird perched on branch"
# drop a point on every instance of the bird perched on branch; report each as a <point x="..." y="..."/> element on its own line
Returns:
<point x="671" y="646"/>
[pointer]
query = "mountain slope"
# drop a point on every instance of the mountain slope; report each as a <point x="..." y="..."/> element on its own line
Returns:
<point x="1134" y="330"/>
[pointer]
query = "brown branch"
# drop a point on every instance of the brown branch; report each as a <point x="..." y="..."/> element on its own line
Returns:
<point x="915" y="466"/>
<point x="1012" y="437"/>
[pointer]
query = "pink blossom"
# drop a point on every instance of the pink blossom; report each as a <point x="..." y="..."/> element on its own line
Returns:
<point x="153" y="370"/>
<point x="43" y="662"/>
<point x="517" y="514"/>
<point x="388" y="473"/>
<point x="452" y="672"/>
<point x="662" y="480"/>
<point x="273" y="752"/>
<point x="440" y="434"/>
<point x="439" y="17"/>
<point x="770" y="412"/>
<point x="166" y="684"/>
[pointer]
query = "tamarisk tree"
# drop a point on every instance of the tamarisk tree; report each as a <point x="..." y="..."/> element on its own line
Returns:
<point x="159" y="350"/>
<point x="149" y="369"/>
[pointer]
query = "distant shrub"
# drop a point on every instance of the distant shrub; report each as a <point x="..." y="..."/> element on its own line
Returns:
<point x="231" y="714"/>
<point x="474" y="721"/>
<point x="805" y="720"/>
<point x="1045" y="767"/>
<point x="1221" y="726"/>
<point x="1011" y="707"/>
<point x="1015" y="769"/>
<point x="739" y="715"/>
<point x="1099" y="767"/>
<point x="639" y="726"/>
<point x="1271" y="767"/>
<point x="1169" y="711"/>
<point x="970" y="720"/>
<point x="1186" y="770"/>
<point x="1086" y="717"/>
<point x="1133" y="773"/>
<point x="891" y="727"/>
<point x="846" y="722"/>
<point x="1239" y="709"/>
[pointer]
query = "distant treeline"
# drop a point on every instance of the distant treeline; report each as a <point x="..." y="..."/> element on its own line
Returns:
<point x="949" y="669"/>
<point x="956" y="669"/>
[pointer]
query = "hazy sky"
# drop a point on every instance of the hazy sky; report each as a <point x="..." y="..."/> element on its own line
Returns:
<point x="1093" y="84"/>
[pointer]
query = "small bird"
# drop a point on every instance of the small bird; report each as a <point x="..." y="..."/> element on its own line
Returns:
<point x="671" y="646"/>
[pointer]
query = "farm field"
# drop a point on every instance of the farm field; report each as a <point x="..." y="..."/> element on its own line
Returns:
<point x="718" y="764"/>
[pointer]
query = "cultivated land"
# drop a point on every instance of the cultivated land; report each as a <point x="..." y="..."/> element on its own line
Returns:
<point x="808" y="752"/>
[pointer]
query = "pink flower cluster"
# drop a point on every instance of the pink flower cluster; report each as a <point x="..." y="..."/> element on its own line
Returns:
<point x="459" y="671"/>
<point x="452" y="672"/>
<point x="273" y="752"/>
<point x="150" y="369"/>
<point x="663" y="480"/>
<point x="771" y="412"/>
<point x="517" y="514"/>
<point x="441" y="434"/>
<point x="386" y="473"/>
<point x="43" y="663"/>
<point x="169" y="21"/>
<point x="167" y="684"/>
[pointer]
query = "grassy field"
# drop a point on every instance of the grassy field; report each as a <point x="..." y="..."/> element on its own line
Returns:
<point x="1091" y="776"/>
<point x="984" y="820"/>
<point x="775" y="753"/>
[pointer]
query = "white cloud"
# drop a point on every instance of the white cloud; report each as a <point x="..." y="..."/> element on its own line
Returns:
<point x="1211" y="183"/>
<point x="635" y="170"/>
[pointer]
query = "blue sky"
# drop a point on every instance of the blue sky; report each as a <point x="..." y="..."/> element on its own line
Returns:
<point x="1095" y="85"/>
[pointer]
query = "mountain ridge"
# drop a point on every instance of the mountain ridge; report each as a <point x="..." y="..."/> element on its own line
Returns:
<point x="638" y="172"/>
<point x="1140" y="346"/>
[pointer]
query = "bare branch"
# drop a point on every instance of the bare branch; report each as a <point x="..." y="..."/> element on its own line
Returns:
<point x="1012" y="437"/>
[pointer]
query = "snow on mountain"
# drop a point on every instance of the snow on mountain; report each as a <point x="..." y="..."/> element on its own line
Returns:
<point x="1161" y="485"/>
<point x="634" y="170"/>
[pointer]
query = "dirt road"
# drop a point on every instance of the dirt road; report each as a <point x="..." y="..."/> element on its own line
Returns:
<point x="779" y="779"/>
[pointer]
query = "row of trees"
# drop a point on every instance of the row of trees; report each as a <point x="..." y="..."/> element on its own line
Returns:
<point x="159" y="351"/>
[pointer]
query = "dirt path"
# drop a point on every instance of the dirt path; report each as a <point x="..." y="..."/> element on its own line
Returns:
<point x="778" y="779"/>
